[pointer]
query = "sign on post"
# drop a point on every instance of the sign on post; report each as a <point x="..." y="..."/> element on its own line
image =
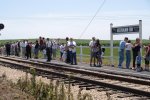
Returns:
<point x="129" y="29"/>
<point x="125" y="29"/>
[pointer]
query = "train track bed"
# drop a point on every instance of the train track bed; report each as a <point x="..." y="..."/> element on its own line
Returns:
<point x="133" y="87"/>
<point x="115" y="75"/>
<point x="100" y="94"/>
<point x="105" y="69"/>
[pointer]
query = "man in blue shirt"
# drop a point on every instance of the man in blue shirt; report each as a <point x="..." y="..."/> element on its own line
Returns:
<point x="121" y="51"/>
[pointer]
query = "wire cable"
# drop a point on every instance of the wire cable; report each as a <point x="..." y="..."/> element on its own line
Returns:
<point x="100" y="7"/>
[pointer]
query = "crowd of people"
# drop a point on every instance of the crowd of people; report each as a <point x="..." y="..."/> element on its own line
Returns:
<point x="135" y="48"/>
<point x="49" y="48"/>
<point x="96" y="52"/>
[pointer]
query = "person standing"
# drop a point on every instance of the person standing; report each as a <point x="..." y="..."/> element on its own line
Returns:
<point x="36" y="49"/>
<point x="147" y="57"/>
<point x="92" y="51"/>
<point x="98" y="53"/>
<point x="67" y="50"/>
<point x="13" y="49"/>
<point x="128" y="53"/>
<point x="136" y="48"/>
<point x="23" y="49"/>
<point x="62" y="50"/>
<point x="54" y="49"/>
<point x="8" y="46"/>
<point x="121" y="51"/>
<point x="19" y="49"/>
<point x="72" y="50"/>
<point x="16" y="49"/>
<point x="40" y="43"/>
<point x="28" y="50"/>
<point x="49" y="50"/>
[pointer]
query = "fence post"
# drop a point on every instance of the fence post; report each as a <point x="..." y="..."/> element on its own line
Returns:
<point x="81" y="53"/>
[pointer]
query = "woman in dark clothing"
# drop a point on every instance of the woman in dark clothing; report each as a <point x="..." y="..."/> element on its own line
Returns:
<point x="98" y="53"/>
<point x="67" y="50"/>
<point x="28" y="50"/>
<point x="136" y="49"/>
<point x="8" y="46"/>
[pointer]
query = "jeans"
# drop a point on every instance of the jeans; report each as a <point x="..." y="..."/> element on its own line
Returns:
<point x="49" y="53"/>
<point x="36" y="51"/>
<point x="121" y="57"/>
<point x="74" y="58"/>
<point x="128" y="58"/>
<point x="68" y="56"/>
<point x="54" y="53"/>
<point x="71" y="57"/>
<point x="135" y="54"/>
<point x="93" y="56"/>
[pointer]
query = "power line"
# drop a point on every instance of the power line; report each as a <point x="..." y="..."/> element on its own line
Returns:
<point x="100" y="7"/>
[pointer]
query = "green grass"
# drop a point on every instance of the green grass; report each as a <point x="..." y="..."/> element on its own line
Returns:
<point x="83" y="42"/>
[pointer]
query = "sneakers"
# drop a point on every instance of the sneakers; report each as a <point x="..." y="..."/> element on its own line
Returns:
<point x="133" y="68"/>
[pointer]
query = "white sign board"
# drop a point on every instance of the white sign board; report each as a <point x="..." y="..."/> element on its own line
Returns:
<point x="125" y="29"/>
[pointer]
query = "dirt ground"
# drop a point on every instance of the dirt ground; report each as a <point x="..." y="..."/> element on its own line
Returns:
<point x="8" y="92"/>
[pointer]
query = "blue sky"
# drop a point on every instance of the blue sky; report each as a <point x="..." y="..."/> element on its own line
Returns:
<point x="61" y="18"/>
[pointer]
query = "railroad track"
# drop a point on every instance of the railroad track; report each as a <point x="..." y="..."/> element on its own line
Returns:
<point x="101" y="81"/>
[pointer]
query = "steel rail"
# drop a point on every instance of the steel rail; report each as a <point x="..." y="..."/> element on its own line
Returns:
<point x="87" y="72"/>
<point x="90" y="81"/>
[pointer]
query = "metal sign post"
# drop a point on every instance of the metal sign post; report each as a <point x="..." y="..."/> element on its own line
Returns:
<point x="129" y="29"/>
<point x="140" y="33"/>
<point x="111" y="46"/>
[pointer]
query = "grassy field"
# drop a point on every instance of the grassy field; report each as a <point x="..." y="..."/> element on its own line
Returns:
<point x="83" y="42"/>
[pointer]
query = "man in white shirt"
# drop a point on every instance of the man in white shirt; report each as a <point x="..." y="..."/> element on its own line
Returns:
<point x="128" y="53"/>
<point x="23" y="48"/>
<point x="72" y="50"/>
